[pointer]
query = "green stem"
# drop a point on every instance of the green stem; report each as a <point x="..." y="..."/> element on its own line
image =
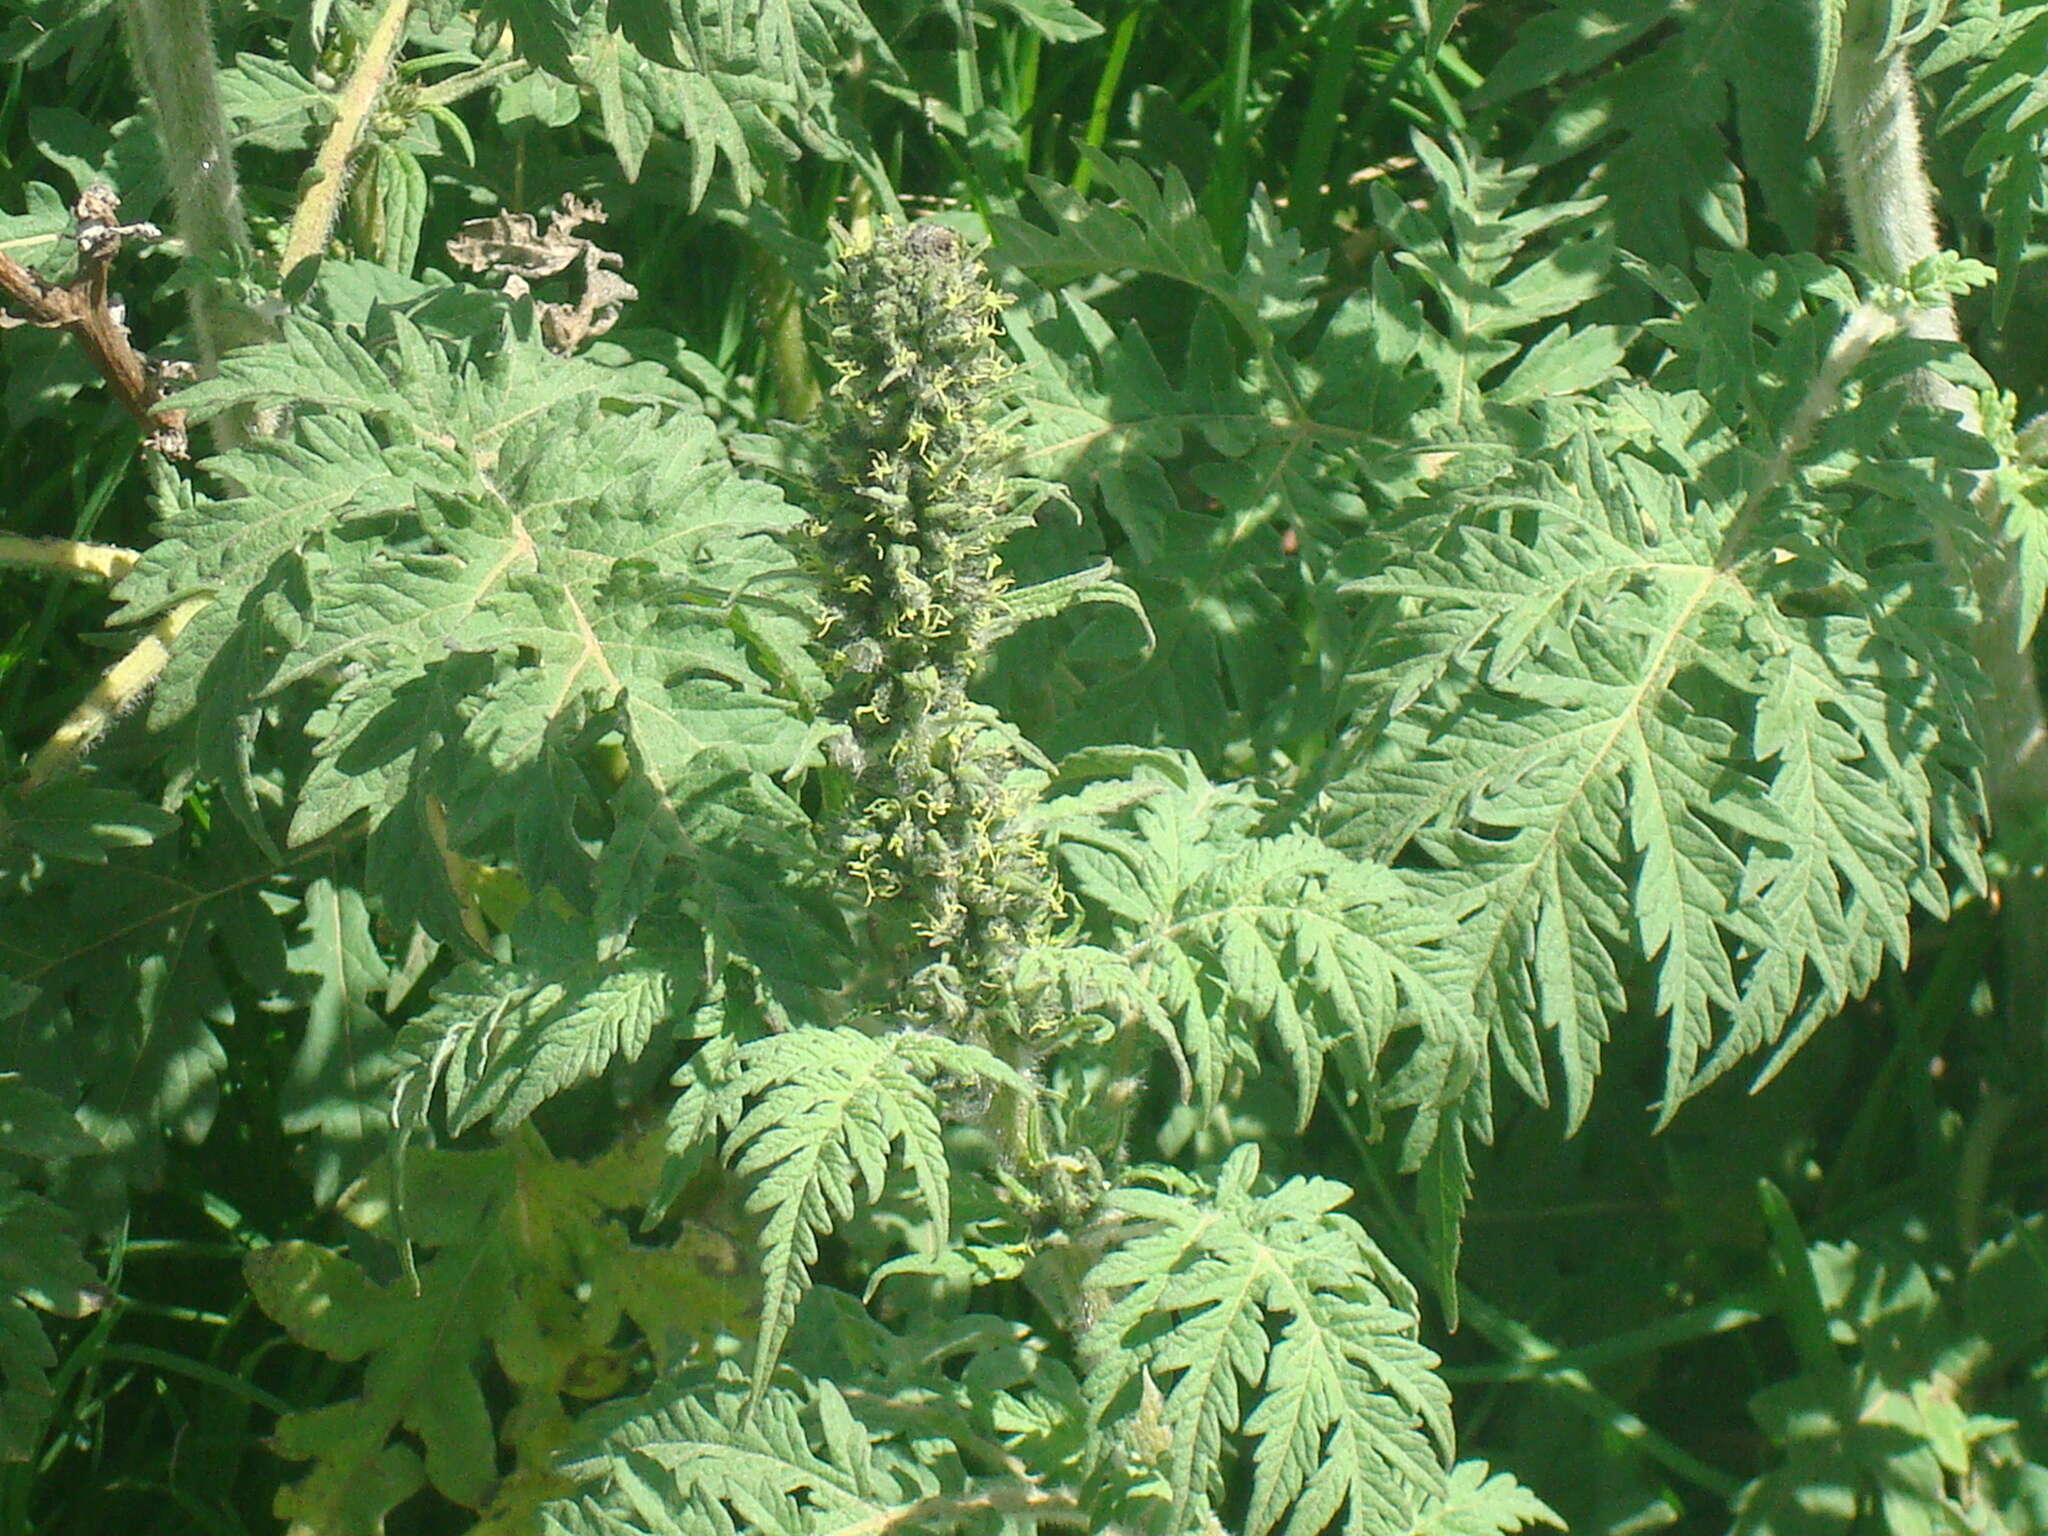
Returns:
<point x="989" y="184"/>
<point x="1724" y="1316"/>
<point x="1805" y="1314"/>
<point x="1525" y="1345"/>
<point x="93" y="502"/>
<point x="199" y="1371"/>
<point x="1226" y="196"/>
<point x="1319" y="133"/>
<point x="445" y="93"/>
<point x="1105" y="93"/>
<point x="1995" y="1114"/>
<point x="1925" y="1023"/>
<point x="171" y="42"/>
<point x="1876" y="128"/>
<point x="782" y="320"/>
<point x="313" y="221"/>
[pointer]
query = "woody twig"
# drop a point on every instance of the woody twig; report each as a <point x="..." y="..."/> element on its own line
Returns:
<point x="85" y="308"/>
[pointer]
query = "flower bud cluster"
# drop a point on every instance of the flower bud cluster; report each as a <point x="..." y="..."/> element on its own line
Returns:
<point x="910" y="506"/>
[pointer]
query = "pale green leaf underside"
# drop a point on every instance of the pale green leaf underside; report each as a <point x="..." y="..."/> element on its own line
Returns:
<point x="1636" y="751"/>
<point x="1272" y="1317"/>
<point x="1481" y="1502"/>
<point x="700" y="1463"/>
<point x="1223" y="936"/>
<point x="816" y="1118"/>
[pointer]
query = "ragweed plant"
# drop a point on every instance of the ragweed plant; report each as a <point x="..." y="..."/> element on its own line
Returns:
<point x="1092" y="934"/>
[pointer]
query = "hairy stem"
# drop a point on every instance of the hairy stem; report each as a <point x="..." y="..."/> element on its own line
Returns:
<point x="120" y="688"/>
<point x="782" y="320"/>
<point x="67" y="557"/>
<point x="172" y="45"/>
<point x="313" y="220"/>
<point x="445" y="93"/>
<point x="1876" y="128"/>
<point x="1866" y="326"/>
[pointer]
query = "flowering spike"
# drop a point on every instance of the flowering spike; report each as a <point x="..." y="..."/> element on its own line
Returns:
<point x="910" y="509"/>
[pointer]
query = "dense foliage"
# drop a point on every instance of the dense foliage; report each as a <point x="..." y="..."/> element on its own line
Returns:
<point x="852" y="766"/>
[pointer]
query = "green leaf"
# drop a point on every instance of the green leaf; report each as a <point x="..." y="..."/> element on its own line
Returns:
<point x="532" y="1278"/>
<point x="1208" y="569"/>
<point x="47" y="30"/>
<point x="272" y="105"/>
<point x="1654" y="100"/>
<point x="1481" y="1502"/>
<point x="696" y="1459"/>
<point x="500" y="1040"/>
<point x="1220" y="480"/>
<point x="337" y="1087"/>
<point x="135" y="964"/>
<point x="423" y="1351"/>
<point x="1057" y="21"/>
<point x="35" y="1125"/>
<point x="651" y="26"/>
<point x="1563" y="362"/>
<point x="1235" y="935"/>
<point x="41" y="1271"/>
<point x="1889" y="1427"/>
<point x="1155" y="226"/>
<point x="1762" y="868"/>
<point x="2002" y="52"/>
<point x="732" y="85"/>
<point x="575" y="549"/>
<point x="36" y="236"/>
<point x="401" y="210"/>
<point x="815" y="1117"/>
<point x="83" y="822"/>
<point x="1059" y="594"/>
<point x="622" y="97"/>
<point x="1275" y="1294"/>
<point x="1828" y="21"/>
<point x="544" y="30"/>
<point x="1478" y="257"/>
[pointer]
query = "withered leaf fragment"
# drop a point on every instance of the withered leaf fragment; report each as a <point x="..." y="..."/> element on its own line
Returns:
<point x="512" y="246"/>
